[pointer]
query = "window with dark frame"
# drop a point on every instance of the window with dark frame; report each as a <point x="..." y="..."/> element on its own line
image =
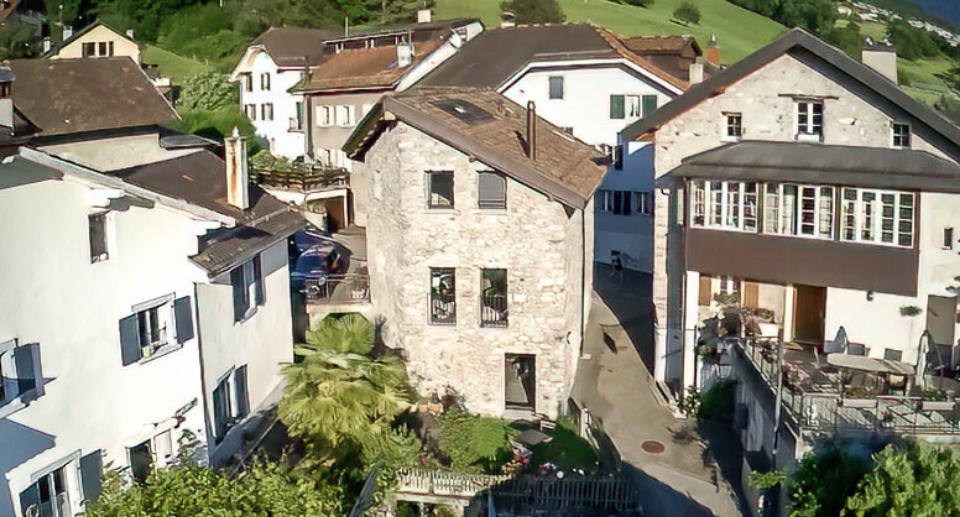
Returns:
<point x="249" y="291"/>
<point x="248" y="82"/>
<point x="440" y="190"/>
<point x="493" y="298"/>
<point x="492" y="191"/>
<point x="734" y="126"/>
<point x="102" y="52"/>
<point x="443" y="296"/>
<point x="948" y="238"/>
<point x="231" y="401"/>
<point x="556" y="87"/>
<point x="20" y="374"/>
<point x="901" y="135"/>
<point x="265" y="81"/>
<point x="251" y="111"/>
<point x="644" y="203"/>
<point x="98" y="237"/>
<point x="89" y="49"/>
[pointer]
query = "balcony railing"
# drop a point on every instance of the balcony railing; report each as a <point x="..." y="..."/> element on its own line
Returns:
<point x="443" y="309"/>
<point x="493" y="310"/>
<point x="296" y="124"/>
<point x="345" y="288"/>
<point x="304" y="179"/>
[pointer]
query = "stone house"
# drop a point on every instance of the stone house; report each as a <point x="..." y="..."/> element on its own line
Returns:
<point x="479" y="236"/>
<point x="809" y="190"/>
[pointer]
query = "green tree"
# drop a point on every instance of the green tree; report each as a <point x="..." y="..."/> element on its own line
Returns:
<point x="264" y="489"/>
<point x="823" y="482"/>
<point x="17" y="41"/>
<point x="528" y="12"/>
<point x="688" y="13"/>
<point x="914" y="480"/>
<point x="475" y="443"/>
<point x="209" y="91"/>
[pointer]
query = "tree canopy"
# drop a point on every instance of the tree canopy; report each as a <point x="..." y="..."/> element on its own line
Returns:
<point x="527" y="12"/>
<point x="688" y="13"/>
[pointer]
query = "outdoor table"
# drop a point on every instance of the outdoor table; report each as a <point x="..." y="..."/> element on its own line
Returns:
<point x="870" y="364"/>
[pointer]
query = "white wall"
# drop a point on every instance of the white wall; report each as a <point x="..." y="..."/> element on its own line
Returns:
<point x="261" y="342"/>
<point x="52" y="295"/>
<point x="276" y="135"/>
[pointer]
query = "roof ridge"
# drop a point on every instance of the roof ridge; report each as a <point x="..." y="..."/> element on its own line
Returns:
<point x="617" y="45"/>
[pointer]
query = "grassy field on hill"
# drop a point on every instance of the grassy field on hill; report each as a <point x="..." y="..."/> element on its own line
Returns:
<point x="739" y="31"/>
<point x="171" y="65"/>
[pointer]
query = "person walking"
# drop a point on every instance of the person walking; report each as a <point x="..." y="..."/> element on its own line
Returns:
<point x="617" y="262"/>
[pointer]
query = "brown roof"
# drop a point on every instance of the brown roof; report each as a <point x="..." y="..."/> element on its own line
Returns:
<point x="67" y="96"/>
<point x="497" y="54"/>
<point x="364" y="68"/>
<point x="289" y="45"/>
<point x="659" y="44"/>
<point x="200" y="179"/>
<point x="489" y="127"/>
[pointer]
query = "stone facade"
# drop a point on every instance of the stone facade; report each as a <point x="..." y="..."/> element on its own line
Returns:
<point x="853" y="116"/>
<point x="542" y="244"/>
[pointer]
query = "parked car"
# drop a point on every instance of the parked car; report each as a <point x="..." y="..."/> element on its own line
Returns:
<point x="313" y="269"/>
<point x="307" y="238"/>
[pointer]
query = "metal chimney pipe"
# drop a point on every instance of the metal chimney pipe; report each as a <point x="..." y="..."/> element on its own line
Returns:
<point x="532" y="130"/>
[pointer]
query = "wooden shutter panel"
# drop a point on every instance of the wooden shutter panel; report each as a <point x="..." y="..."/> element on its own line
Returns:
<point x="260" y="289"/>
<point x="239" y="294"/>
<point x="29" y="376"/>
<point x="221" y="410"/>
<point x="242" y="393"/>
<point x="649" y="105"/>
<point x="130" y="340"/>
<point x="706" y="290"/>
<point x="617" y="107"/>
<point x="183" y="316"/>
<point x="91" y="468"/>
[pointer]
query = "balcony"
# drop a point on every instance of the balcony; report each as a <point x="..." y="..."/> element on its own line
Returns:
<point x="303" y="177"/>
<point x="493" y="311"/>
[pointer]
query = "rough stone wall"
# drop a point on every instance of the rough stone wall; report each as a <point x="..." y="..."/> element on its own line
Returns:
<point x="534" y="239"/>
<point x="852" y="117"/>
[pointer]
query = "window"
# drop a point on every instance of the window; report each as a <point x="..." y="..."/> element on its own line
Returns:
<point x="345" y="116"/>
<point x="617" y="107"/>
<point x="644" y="203"/>
<point x="556" y="87"/>
<point x="726" y="205"/>
<point x="296" y="124"/>
<point x="265" y="81"/>
<point x="901" y="135"/>
<point x="443" y="296"/>
<point x="251" y="111"/>
<point x="97" y="224"/>
<point x="325" y="116"/>
<point x="877" y="217"/>
<point x="141" y="462"/>
<point x="231" y="401"/>
<point x="105" y="48"/>
<point x="89" y="49"/>
<point x="618" y="202"/>
<point x="21" y="378"/>
<point x="492" y="191"/>
<point x="948" y="238"/>
<point x="266" y="111"/>
<point x="632" y="106"/>
<point x="248" y="289"/>
<point x="440" y="189"/>
<point x="248" y="82"/>
<point x="810" y="120"/>
<point x="798" y="210"/>
<point x="734" y="129"/>
<point x="161" y="324"/>
<point x="49" y="495"/>
<point x="493" y="298"/>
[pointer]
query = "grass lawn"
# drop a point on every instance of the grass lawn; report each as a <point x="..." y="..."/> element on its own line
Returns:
<point x="171" y="65"/>
<point x="567" y="450"/>
<point x="739" y="31"/>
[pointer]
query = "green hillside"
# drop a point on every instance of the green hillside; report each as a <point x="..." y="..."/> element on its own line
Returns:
<point x="739" y="31"/>
<point x="171" y="65"/>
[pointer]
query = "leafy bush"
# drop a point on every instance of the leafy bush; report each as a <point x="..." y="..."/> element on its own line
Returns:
<point x="688" y="13"/>
<point x="916" y="479"/>
<point x="208" y="91"/>
<point x="395" y="449"/>
<point x="528" y="12"/>
<point x="218" y="123"/>
<point x="823" y="482"/>
<point x="475" y="443"/>
<point x="718" y="402"/>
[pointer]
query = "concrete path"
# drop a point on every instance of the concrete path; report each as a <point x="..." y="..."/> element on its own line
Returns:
<point x="616" y="386"/>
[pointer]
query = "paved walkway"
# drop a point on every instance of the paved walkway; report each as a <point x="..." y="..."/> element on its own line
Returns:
<point x="616" y="386"/>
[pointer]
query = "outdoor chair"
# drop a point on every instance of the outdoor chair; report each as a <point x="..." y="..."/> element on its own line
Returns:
<point x="857" y="349"/>
<point x="839" y="343"/>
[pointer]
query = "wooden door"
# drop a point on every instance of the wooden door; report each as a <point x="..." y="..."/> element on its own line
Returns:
<point x="706" y="290"/>
<point x="809" y="312"/>
<point x="751" y="295"/>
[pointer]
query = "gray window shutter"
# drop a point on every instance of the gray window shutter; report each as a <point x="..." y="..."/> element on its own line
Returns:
<point x="493" y="190"/>
<point x="91" y="468"/>
<point x="556" y="87"/>
<point x="221" y="410"/>
<point x="29" y="375"/>
<point x="30" y="498"/>
<point x="243" y="395"/>
<point x="239" y="294"/>
<point x="649" y="105"/>
<point x="183" y="314"/>
<point x="617" y="107"/>
<point x="130" y="340"/>
<point x="260" y="289"/>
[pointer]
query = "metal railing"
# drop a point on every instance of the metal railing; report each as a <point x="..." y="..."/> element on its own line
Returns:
<point x="443" y="309"/>
<point x="493" y="310"/>
<point x="304" y="179"/>
<point x="443" y="483"/>
<point x="343" y="288"/>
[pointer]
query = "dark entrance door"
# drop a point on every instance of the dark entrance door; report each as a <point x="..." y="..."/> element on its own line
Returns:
<point x="520" y="381"/>
<point x="811" y="306"/>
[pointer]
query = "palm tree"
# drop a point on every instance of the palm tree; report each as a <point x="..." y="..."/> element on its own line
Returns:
<point x="340" y="394"/>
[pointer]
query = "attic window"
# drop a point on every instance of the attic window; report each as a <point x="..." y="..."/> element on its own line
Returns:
<point x="468" y="113"/>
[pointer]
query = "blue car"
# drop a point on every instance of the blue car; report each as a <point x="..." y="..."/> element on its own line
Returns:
<point x="307" y="238"/>
<point x="313" y="269"/>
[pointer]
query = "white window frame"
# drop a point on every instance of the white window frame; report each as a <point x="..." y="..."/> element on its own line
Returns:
<point x="728" y="125"/>
<point x="774" y="206"/>
<point x="251" y="111"/>
<point x="633" y="107"/>
<point x="644" y="203"/>
<point x="69" y="467"/>
<point x="732" y="198"/>
<point x="346" y="115"/>
<point x="899" y="137"/>
<point x="326" y="116"/>
<point x="265" y="81"/>
<point x="867" y="217"/>
<point x="107" y="236"/>
<point x="808" y="131"/>
<point x="167" y="321"/>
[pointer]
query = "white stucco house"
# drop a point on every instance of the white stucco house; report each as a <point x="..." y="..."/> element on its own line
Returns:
<point x="592" y="83"/>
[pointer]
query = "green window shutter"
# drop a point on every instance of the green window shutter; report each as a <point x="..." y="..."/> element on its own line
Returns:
<point x="617" y="107"/>
<point x="649" y="103"/>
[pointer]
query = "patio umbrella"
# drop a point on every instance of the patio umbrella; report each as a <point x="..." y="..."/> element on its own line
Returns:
<point x="926" y="344"/>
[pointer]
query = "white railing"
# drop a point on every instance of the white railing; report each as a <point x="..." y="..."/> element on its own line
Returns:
<point x="438" y="482"/>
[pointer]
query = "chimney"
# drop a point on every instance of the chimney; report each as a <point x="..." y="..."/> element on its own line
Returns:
<point x="404" y="55"/>
<point x="882" y="58"/>
<point x="696" y="73"/>
<point x="6" y="97"/>
<point x="238" y="179"/>
<point x="67" y="32"/>
<point x="130" y="33"/>
<point x="532" y="130"/>
<point x="424" y="16"/>
<point x="713" y="51"/>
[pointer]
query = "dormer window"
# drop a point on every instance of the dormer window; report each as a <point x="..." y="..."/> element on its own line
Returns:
<point x="901" y="135"/>
<point x="810" y="121"/>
